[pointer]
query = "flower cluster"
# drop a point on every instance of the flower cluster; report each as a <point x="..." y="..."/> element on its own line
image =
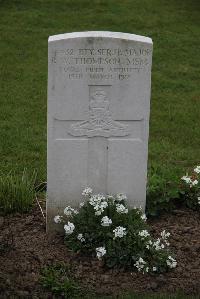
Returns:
<point x="58" y="219"/>
<point x="105" y="221"/>
<point x="171" y="262"/>
<point x="140" y="264"/>
<point x="68" y="211"/>
<point x="96" y="199"/>
<point x="119" y="232"/>
<point x="192" y="180"/>
<point x="69" y="228"/>
<point x="119" y="236"/>
<point x="165" y="235"/>
<point x="99" y="203"/>
<point x="197" y="169"/>
<point x="101" y="251"/>
<point x="121" y="209"/>
<point x="144" y="234"/>
<point x="149" y="244"/>
<point x="81" y="238"/>
<point x="158" y="245"/>
<point x="189" y="180"/>
<point x="87" y="191"/>
<point x="81" y="204"/>
<point x="190" y="189"/>
<point x="144" y="217"/>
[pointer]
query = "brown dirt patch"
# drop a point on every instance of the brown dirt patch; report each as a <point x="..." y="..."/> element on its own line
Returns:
<point x="22" y="260"/>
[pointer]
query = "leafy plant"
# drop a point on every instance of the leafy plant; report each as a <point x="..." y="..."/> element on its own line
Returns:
<point x="59" y="280"/>
<point x="118" y="236"/>
<point x="190" y="189"/>
<point x="16" y="193"/>
<point x="162" y="195"/>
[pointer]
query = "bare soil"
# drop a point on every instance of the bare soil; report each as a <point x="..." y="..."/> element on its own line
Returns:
<point x="25" y="249"/>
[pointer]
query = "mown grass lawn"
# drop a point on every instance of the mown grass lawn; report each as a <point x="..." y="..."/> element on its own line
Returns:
<point x="174" y="26"/>
<point x="135" y="296"/>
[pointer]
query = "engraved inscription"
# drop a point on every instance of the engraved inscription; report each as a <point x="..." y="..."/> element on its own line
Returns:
<point x="102" y="63"/>
<point x="100" y="122"/>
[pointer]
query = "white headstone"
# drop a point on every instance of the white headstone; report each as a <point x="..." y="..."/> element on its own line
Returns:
<point x="98" y="117"/>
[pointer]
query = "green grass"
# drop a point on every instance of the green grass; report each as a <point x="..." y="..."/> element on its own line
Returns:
<point x="16" y="193"/>
<point x="143" y="296"/>
<point x="135" y="296"/>
<point x="174" y="26"/>
<point x="59" y="280"/>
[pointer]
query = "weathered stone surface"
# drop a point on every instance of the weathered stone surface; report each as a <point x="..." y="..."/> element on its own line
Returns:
<point x="98" y="116"/>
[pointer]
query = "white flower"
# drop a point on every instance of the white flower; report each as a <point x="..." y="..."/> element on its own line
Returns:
<point x="195" y="182"/>
<point x="119" y="231"/>
<point x="57" y="219"/>
<point x="165" y="236"/>
<point x="197" y="169"/>
<point x="69" y="228"/>
<point x="98" y="213"/>
<point x="138" y="210"/>
<point x="171" y="262"/>
<point x="198" y="198"/>
<point x="81" y="204"/>
<point x="104" y="204"/>
<point x="68" y="211"/>
<point x="147" y="269"/>
<point x="144" y="217"/>
<point x="87" y="191"/>
<point x="121" y="196"/>
<point x="144" y="233"/>
<point x="140" y="264"/>
<point x="149" y="243"/>
<point x="98" y="204"/>
<point x="105" y="221"/>
<point x="189" y="181"/>
<point x="157" y="244"/>
<point x="81" y="238"/>
<point x="186" y="179"/>
<point x="154" y="269"/>
<point x="96" y="199"/>
<point x="97" y="207"/>
<point x="121" y="209"/>
<point x="101" y="251"/>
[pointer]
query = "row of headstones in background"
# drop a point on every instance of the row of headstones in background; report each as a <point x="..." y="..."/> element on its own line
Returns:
<point x="98" y="117"/>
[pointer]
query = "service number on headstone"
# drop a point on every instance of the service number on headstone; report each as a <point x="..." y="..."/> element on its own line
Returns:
<point x="98" y="117"/>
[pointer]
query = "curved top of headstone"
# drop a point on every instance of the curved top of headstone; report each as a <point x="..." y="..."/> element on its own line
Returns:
<point x="105" y="34"/>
